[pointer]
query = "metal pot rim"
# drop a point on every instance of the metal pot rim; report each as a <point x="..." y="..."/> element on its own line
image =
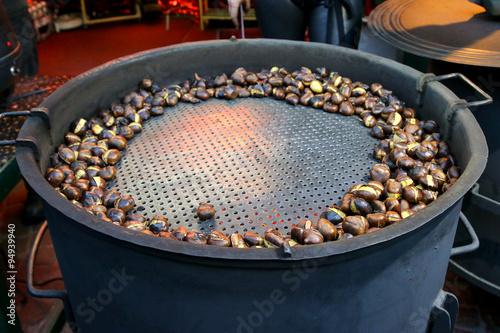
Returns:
<point x="92" y="224"/>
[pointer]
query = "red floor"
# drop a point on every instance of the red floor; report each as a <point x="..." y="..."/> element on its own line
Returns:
<point x="74" y="52"/>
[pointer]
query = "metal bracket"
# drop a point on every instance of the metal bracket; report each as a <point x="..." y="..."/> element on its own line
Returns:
<point x="421" y="83"/>
<point x="444" y="313"/>
<point x="42" y="113"/>
<point x="61" y="294"/>
<point x="287" y="250"/>
<point x="475" y="240"/>
<point x="453" y="107"/>
<point x="31" y="143"/>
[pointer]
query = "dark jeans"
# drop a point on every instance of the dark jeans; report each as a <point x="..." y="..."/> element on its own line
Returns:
<point x="284" y="19"/>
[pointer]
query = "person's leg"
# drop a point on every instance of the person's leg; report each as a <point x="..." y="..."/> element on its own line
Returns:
<point x="318" y="17"/>
<point x="280" y="19"/>
<point x="25" y="31"/>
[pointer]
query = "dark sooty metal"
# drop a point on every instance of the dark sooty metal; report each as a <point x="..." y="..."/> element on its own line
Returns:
<point x="260" y="162"/>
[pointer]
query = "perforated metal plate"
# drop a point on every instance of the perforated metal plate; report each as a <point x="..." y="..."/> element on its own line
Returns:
<point x="260" y="162"/>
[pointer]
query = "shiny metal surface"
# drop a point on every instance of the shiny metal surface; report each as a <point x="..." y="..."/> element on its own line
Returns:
<point x="449" y="30"/>
<point x="260" y="162"/>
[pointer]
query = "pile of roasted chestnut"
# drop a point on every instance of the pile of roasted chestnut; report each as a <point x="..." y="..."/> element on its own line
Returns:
<point x="415" y="165"/>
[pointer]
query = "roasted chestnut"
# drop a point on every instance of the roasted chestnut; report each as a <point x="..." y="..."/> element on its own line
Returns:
<point x="412" y="194"/>
<point x="79" y="126"/>
<point x="109" y="198"/>
<point x="167" y="235"/>
<point x="98" y="181"/>
<point x="392" y="204"/>
<point x="111" y="156"/>
<point x="217" y="238"/>
<point x="365" y="192"/>
<point x="334" y="214"/>
<point x="237" y="241"/>
<point x="82" y="184"/>
<point x="158" y="224"/>
<point x="376" y="219"/>
<point x="418" y="172"/>
<point x="360" y="206"/>
<point x="305" y="224"/>
<point x="429" y="182"/>
<point x="98" y="191"/>
<point x="195" y="237"/>
<point x="392" y="217"/>
<point x="346" y="108"/>
<point x="71" y="192"/>
<point x="55" y="177"/>
<point x="378" y="206"/>
<point x="273" y="238"/>
<point x="393" y="189"/>
<point x="117" y="142"/>
<point x="205" y="211"/>
<point x="380" y="172"/>
<point x="116" y="215"/>
<point x="327" y="229"/>
<point x="125" y="203"/>
<point x="67" y="155"/>
<point x="253" y="239"/>
<point x="292" y="99"/>
<point x="330" y="107"/>
<point x="136" y="127"/>
<point x="180" y="233"/>
<point x="134" y="225"/>
<point x="312" y="236"/>
<point x="355" y="225"/>
<point x="107" y="173"/>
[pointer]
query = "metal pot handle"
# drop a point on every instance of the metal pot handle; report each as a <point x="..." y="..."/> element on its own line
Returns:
<point x="12" y="114"/>
<point x="488" y="99"/>
<point x="483" y="201"/>
<point x="30" y="142"/>
<point x="426" y="78"/>
<point x="475" y="240"/>
<point x="42" y="113"/>
<point x="43" y="293"/>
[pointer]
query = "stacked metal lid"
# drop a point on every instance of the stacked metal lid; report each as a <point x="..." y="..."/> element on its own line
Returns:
<point x="456" y="31"/>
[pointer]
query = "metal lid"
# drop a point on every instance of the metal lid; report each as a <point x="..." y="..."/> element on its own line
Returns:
<point x="448" y="30"/>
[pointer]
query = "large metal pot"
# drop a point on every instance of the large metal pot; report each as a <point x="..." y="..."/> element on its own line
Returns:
<point x="117" y="279"/>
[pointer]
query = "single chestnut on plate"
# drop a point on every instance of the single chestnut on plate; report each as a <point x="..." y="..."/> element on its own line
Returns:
<point x="205" y="211"/>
